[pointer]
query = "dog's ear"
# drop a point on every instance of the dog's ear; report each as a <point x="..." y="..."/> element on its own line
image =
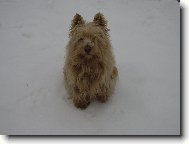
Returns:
<point x="77" y="21"/>
<point x="100" y="20"/>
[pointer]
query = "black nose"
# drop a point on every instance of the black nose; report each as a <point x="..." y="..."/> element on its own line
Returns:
<point x="87" y="49"/>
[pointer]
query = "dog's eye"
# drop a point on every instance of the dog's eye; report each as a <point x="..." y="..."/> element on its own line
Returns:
<point x="81" y="39"/>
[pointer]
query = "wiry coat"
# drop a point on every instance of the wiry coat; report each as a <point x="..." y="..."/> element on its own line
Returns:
<point x="93" y="75"/>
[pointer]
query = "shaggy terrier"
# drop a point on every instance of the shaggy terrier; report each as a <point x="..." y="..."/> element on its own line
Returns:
<point x="89" y="70"/>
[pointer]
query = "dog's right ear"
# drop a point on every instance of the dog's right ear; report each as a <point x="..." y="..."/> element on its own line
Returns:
<point x="77" y="21"/>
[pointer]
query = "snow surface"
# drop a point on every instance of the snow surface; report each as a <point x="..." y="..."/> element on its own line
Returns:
<point x="145" y="37"/>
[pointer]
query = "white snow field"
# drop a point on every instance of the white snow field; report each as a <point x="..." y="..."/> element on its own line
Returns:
<point x="146" y="42"/>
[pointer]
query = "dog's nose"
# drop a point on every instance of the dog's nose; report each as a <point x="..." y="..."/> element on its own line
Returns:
<point x="87" y="49"/>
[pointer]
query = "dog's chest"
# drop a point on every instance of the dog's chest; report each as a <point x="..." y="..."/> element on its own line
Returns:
<point x="88" y="72"/>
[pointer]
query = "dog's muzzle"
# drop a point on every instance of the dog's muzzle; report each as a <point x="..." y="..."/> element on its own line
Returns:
<point x="87" y="49"/>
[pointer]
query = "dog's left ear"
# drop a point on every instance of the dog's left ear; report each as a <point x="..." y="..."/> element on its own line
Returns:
<point x="100" y="20"/>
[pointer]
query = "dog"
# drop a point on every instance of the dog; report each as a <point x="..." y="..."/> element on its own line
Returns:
<point x="90" y="70"/>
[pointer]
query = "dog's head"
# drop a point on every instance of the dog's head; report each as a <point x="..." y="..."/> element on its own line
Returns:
<point x="89" y="41"/>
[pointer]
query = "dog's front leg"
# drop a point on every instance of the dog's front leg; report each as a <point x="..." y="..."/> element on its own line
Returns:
<point x="102" y="97"/>
<point x="103" y="94"/>
<point x="81" y="99"/>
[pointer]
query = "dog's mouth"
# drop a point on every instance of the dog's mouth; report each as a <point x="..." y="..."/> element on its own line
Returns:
<point x="88" y="56"/>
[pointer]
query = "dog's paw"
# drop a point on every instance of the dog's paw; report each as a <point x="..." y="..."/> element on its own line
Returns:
<point x="82" y="105"/>
<point x="102" y="98"/>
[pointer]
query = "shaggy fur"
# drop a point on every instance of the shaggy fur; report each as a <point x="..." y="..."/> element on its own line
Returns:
<point x="90" y="75"/>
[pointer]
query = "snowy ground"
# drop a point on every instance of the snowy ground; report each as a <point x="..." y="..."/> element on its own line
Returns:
<point x="145" y="37"/>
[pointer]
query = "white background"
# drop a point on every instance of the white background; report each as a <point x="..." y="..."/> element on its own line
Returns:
<point x="176" y="140"/>
<point x="145" y="38"/>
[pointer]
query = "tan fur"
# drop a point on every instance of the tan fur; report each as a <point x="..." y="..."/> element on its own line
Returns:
<point x="94" y="75"/>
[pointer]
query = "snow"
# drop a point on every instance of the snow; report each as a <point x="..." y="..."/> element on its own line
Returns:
<point x="146" y="43"/>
